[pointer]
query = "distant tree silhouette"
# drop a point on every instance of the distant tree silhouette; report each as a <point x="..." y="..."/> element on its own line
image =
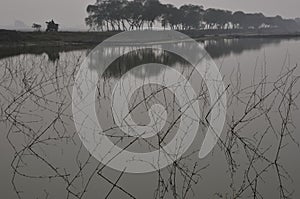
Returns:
<point x="172" y="17"/>
<point x="107" y="15"/>
<point x="153" y="10"/>
<point x="297" y="21"/>
<point x="237" y="19"/>
<point x="192" y="16"/>
<point x="37" y="27"/>
<point x="216" y="18"/>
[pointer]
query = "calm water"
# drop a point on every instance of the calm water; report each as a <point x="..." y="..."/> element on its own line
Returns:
<point x="43" y="157"/>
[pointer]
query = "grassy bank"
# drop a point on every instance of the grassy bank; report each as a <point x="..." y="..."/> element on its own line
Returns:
<point x="16" y="38"/>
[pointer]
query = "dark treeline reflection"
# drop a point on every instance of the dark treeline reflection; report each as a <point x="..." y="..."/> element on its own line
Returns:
<point x="52" y="52"/>
<point x="225" y="47"/>
<point x="216" y="48"/>
<point x="143" y="56"/>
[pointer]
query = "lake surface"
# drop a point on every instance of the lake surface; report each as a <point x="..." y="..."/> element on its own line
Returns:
<point x="257" y="156"/>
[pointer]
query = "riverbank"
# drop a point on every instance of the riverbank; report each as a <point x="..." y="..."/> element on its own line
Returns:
<point x="82" y="39"/>
<point x="17" y="38"/>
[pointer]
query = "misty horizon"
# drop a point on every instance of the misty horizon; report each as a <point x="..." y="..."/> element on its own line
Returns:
<point x="15" y="14"/>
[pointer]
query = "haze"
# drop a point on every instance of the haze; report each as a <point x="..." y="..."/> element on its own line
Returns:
<point x="71" y="13"/>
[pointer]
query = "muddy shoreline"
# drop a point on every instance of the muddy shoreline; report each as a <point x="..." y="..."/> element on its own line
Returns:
<point x="10" y="39"/>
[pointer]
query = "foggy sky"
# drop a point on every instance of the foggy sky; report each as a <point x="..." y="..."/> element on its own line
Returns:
<point x="71" y="13"/>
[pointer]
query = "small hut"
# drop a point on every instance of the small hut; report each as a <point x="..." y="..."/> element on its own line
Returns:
<point x="52" y="26"/>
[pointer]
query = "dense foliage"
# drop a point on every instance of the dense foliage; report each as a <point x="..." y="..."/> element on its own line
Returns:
<point x="107" y="15"/>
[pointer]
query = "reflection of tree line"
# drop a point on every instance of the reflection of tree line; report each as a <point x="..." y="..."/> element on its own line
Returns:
<point x="51" y="52"/>
<point x="216" y="48"/>
<point x="142" y="56"/>
<point x="225" y="47"/>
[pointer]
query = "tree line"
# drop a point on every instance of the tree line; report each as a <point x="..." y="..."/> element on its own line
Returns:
<point x="122" y="15"/>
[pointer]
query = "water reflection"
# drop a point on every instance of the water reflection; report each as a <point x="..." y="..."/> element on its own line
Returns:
<point x="42" y="156"/>
<point x="216" y="48"/>
<point x="225" y="47"/>
<point x="52" y="52"/>
<point x="143" y="56"/>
